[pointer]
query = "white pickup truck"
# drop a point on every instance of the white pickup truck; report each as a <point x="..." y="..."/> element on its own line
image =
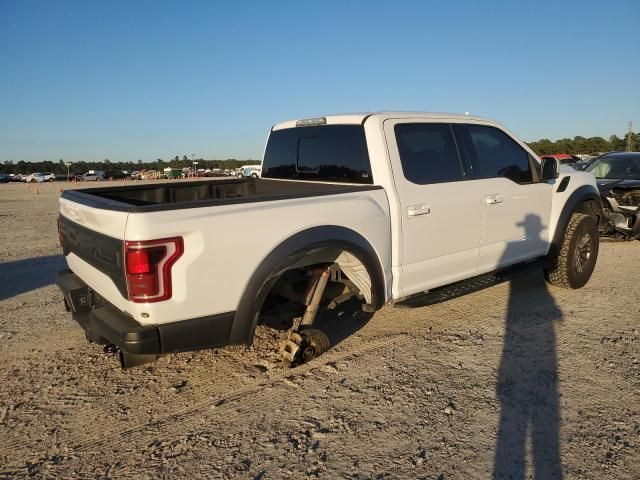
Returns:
<point x="381" y="207"/>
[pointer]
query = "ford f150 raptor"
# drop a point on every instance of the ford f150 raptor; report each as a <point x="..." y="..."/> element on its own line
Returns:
<point x="381" y="207"/>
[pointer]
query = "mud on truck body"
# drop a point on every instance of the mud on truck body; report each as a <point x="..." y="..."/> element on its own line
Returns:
<point x="378" y="208"/>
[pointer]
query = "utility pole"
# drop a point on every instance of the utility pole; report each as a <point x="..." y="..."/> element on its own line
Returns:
<point x="629" y="133"/>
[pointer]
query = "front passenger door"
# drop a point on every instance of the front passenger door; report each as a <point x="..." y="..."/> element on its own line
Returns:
<point x="515" y="206"/>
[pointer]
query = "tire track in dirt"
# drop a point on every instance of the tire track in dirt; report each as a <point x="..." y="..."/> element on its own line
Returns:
<point x="120" y="439"/>
<point x="393" y="335"/>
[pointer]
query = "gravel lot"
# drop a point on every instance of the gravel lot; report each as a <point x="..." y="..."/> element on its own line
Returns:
<point x="516" y="379"/>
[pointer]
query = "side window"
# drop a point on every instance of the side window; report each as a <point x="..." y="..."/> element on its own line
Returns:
<point x="498" y="155"/>
<point x="428" y="153"/>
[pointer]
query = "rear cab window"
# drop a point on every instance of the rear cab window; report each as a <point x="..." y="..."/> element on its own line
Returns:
<point x="331" y="153"/>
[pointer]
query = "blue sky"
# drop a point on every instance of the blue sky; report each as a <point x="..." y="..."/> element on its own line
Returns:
<point x="88" y="80"/>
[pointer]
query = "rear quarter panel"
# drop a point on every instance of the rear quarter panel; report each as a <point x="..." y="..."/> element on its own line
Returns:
<point x="225" y="244"/>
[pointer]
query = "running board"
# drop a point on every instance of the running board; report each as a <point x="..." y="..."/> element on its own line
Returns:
<point x="470" y="285"/>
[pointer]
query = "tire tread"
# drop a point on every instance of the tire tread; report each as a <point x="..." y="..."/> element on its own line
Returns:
<point x="557" y="273"/>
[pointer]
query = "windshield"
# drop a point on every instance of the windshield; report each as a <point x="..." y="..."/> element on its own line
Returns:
<point x="627" y="168"/>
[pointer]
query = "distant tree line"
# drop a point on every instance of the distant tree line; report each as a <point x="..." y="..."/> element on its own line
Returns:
<point x="580" y="145"/>
<point x="59" y="167"/>
<point x="584" y="145"/>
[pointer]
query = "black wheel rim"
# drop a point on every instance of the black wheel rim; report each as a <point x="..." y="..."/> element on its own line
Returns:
<point x="584" y="252"/>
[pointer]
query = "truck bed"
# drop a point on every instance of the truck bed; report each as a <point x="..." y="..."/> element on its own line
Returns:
<point x="192" y="194"/>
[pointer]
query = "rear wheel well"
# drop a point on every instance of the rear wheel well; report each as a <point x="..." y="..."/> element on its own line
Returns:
<point x="349" y="278"/>
<point x="355" y="261"/>
<point x="347" y="262"/>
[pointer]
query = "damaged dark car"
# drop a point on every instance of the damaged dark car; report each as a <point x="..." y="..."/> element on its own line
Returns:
<point x="618" y="177"/>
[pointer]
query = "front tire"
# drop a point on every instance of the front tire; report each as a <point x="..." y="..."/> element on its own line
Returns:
<point x="573" y="265"/>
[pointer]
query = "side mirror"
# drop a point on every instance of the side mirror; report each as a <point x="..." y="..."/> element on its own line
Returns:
<point x="550" y="169"/>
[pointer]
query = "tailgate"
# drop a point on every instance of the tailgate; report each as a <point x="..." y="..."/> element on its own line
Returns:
<point x="94" y="237"/>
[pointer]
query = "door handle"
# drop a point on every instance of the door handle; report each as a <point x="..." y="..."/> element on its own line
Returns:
<point x="417" y="210"/>
<point x="493" y="199"/>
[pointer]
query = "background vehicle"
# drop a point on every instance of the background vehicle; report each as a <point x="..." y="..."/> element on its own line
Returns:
<point x="4" y="178"/>
<point x="59" y="177"/>
<point x="40" y="177"/>
<point x="115" y="174"/>
<point x="618" y="176"/>
<point x="91" y="176"/>
<point x="377" y="208"/>
<point x="566" y="159"/>
<point x="249" y="171"/>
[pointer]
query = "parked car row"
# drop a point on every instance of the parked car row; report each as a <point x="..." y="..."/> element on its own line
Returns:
<point x="38" y="177"/>
<point x="100" y="175"/>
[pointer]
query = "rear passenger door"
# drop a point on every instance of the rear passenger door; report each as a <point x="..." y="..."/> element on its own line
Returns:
<point x="440" y="215"/>
<point x="515" y="206"/>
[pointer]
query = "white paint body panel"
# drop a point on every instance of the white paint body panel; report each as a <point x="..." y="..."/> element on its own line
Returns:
<point x="223" y="245"/>
<point x="431" y="254"/>
<point x="516" y="228"/>
<point x="108" y="222"/>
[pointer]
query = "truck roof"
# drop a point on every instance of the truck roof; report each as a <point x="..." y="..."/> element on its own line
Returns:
<point x="358" y="118"/>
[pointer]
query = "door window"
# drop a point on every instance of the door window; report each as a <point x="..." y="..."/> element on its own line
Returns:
<point x="495" y="154"/>
<point x="428" y="153"/>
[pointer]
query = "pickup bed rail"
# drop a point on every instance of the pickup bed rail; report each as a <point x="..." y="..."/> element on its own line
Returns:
<point x="188" y="194"/>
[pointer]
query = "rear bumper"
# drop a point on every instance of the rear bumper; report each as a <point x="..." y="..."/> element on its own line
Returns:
<point x="105" y="324"/>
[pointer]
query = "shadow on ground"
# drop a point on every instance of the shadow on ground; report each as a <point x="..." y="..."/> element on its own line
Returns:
<point x="527" y="386"/>
<point x="22" y="276"/>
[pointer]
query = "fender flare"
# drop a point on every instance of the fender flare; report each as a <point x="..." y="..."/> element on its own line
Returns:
<point x="582" y="194"/>
<point x="328" y="238"/>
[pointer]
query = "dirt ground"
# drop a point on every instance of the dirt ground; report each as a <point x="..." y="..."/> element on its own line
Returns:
<point x="516" y="380"/>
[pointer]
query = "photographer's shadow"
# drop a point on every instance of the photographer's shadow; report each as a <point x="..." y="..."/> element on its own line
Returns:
<point x="22" y="276"/>
<point x="527" y="385"/>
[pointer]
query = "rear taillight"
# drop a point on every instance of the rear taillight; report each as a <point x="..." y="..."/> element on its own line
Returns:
<point x="148" y="268"/>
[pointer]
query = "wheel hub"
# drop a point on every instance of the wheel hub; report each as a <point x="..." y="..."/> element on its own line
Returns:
<point x="584" y="252"/>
